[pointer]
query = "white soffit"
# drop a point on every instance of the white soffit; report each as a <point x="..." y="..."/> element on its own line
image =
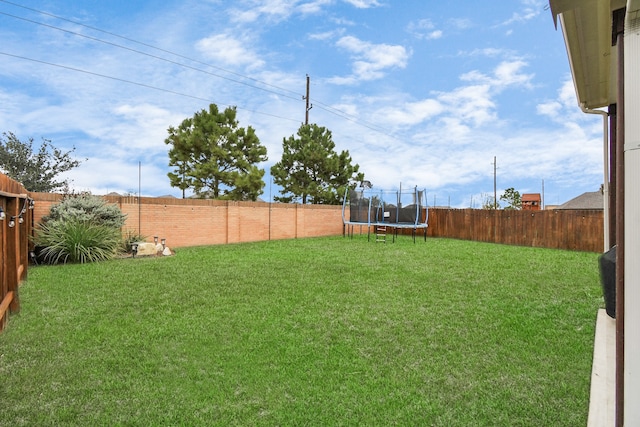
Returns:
<point x="586" y="26"/>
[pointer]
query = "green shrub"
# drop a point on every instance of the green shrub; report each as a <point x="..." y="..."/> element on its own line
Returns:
<point x="129" y="238"/>
<point x="77" y="242"/>
<point x="86" y="208"/>
<point x="82" y="228"/>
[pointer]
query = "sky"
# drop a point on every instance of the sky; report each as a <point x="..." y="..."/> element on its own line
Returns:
<point x="450" y="97"/>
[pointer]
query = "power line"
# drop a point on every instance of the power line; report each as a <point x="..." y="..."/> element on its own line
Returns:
<point x="350" y="117"/>
<point x="321" y="105"/>
<point x="79" y="70"/>
<point x="146" y="54"/>
<point x="359" y="122"/>
<point x="147" y="45"/>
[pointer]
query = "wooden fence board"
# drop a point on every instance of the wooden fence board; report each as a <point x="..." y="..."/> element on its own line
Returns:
<point x="581" y="230"/>
<point x="14" y="242"/>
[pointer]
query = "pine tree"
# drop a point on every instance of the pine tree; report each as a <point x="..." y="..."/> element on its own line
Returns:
<point x="311" y="171"/>
<point x="215" y="157"/>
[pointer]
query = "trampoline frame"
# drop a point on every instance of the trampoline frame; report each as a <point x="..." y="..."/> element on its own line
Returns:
<point x="378" y="203"/>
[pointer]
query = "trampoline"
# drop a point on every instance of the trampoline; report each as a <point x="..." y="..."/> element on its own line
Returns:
<point x="384" y="211"/>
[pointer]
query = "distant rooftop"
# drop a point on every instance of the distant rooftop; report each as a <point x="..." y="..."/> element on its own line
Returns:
<point x="588" y="200"/>
<point x="530" y="197"/>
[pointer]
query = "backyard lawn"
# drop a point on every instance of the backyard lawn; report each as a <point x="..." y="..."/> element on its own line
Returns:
<point x="319" y="332"/>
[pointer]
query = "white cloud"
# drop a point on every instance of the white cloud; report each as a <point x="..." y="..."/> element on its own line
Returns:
<point x="564" y="108"/>
<point x="460" y="23"/>
<point x="424" y="29"/>
<point x="342" y="21"/>
<point x="475" y="76"/>
<point x="262" y="9"/>
<point x="327" y="35"/>
<point x="97" y="176"/>
<point x="567" y="94"/>
<point x="551" y="109"/>
<point x="531" y="9"/>
<point x="343" y="81"/>
<point x="371" y="60"/>
<point x="363" y="4"/>
<point x="347" y="108"/>
<point x="506" y="73"/>
<point x="275" y="10"/>
<point x="313" y="7"/>
<point x="411" y="113"/>
<point x="455" y="134"/>
<point x="489" y="52"/>
<point x="472" y="104"/>
<point x="229" y="50"/>
<point x="144" y="126"/>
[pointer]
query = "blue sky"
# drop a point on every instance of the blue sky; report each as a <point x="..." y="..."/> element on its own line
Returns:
<point x="420" y="92"/>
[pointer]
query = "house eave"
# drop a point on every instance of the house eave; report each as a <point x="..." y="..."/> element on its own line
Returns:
<point x="586" y="27"/>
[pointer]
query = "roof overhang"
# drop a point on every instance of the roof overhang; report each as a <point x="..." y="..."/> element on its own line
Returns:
<point x="586" y="26"/>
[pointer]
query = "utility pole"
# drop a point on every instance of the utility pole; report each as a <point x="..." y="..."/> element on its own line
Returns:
<point x="495" y="192"/>
<point x="307" y="106"/>
<point x="139" y="201"/>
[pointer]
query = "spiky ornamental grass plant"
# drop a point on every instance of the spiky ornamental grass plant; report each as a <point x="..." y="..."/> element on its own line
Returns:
<point x="77" y="241"/>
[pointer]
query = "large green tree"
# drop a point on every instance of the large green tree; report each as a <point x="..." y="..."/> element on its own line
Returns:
<point x="37" y="171"/>
<point x="311" y="171"/>
<point x="215" y="157"/>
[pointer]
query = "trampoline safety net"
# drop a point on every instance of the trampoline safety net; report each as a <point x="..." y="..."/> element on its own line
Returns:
<point x="389" y="207"/>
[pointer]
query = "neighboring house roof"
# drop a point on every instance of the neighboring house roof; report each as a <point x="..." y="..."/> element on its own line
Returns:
<point x="588" y="200"/>
<point x="531" y="197"/>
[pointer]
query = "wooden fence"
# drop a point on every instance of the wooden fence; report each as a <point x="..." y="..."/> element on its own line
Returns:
<point x="15" y="227"/>
<point x="581" y="230"/>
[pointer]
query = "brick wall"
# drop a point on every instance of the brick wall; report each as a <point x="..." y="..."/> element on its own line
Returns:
<point x="189" y="222"/>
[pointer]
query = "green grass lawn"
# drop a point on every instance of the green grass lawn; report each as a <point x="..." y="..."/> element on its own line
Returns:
<point x="318" y="332"/>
